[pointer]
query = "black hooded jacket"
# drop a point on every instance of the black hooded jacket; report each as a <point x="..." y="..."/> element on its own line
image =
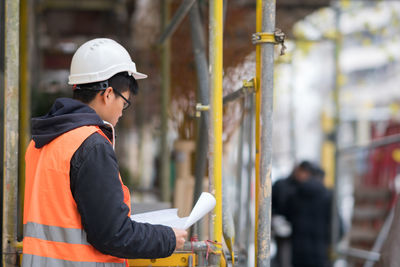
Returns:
<point x="309" y="212"/>
<point x="96" y="187"/>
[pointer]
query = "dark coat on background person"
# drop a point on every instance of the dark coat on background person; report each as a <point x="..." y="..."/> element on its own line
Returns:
<point x="282" y="190"/>
<point x="309" y="212"/>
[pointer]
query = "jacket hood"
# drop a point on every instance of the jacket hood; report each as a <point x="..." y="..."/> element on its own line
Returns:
<point x="65" y="114"/>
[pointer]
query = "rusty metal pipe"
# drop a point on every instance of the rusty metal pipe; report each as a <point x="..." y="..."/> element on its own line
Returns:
<point x="11" y="105"/>
<point x="266" y="110"/>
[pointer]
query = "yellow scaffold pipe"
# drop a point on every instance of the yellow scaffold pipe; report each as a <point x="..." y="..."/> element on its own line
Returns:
<point x="215" y="136"/>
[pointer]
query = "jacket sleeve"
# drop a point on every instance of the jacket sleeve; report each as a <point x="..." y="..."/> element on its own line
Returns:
<point x="97" y="190"/>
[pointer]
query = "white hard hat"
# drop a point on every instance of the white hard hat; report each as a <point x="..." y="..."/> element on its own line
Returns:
<point x="98" y="60"/>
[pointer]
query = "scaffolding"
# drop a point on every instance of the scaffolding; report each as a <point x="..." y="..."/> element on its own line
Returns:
<point x="16" y="116"/>
<point x="11" y="115"/>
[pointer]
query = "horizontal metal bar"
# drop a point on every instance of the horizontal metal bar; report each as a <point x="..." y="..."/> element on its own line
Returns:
<point x="384" y="141"/>
<point x="360" y="254"/>
<point x="237" y="94"/>
<point x="293" y="5"/>
<point x="100" y="5"/>
<point x="301" y="5"/>
<point x="183" y="9"/>
<point x="199" y="246"/>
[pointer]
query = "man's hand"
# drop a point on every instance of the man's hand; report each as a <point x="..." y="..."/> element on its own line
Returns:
<point x="180" y="236"/>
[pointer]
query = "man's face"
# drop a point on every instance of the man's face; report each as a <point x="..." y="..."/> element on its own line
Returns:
<point x="302" y="175"/>
<point x="116" y="107"/>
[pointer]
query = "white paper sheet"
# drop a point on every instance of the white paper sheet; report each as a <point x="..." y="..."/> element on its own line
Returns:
<point x="169" y="217"/>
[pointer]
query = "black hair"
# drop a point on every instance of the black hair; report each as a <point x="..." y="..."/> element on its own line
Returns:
<point x="121" y="82"/>
<point x="315" y="170"/>
<point x="307" y="166"/>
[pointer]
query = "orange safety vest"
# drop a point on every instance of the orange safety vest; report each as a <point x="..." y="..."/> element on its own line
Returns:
<point x="53" y="232"/>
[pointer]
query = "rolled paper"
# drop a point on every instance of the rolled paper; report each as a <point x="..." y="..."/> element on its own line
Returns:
<point x="203" y="206"/>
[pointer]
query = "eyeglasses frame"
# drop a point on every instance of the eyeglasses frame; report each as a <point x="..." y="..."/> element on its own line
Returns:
<point x="103" y="86"/>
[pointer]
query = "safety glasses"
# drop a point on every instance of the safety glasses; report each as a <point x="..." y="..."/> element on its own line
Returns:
<point x="127" y="103"/>
<point x="102" y="86"/>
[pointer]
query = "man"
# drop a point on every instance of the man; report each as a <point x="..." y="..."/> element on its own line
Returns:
<point x="284" y="188"/>
<point x="309" y="212"/>
<point x="282" y="191"/>
<point x="77" y="210"/>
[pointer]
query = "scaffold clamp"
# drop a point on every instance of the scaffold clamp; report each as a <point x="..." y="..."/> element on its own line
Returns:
<point x="200" y="107"/>
<point x="277" y="37"/>
<point x="249" y="84"/>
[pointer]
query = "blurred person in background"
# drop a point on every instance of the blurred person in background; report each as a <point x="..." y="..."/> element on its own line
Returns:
<point x="282" y="191"/>
<point x="308" y="210"/>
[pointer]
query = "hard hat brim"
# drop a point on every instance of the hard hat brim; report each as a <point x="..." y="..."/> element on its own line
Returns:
<point x="138" y="75"/>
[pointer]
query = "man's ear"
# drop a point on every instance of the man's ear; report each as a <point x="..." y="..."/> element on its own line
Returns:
<point x="106" y="95"/>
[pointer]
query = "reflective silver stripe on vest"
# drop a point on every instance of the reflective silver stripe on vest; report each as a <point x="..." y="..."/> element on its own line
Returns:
<point x="55" y="233"/>
<point x="29" y="260"/>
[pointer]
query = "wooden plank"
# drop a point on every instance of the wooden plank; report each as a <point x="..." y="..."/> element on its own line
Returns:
<point x="372" y="194"/>
<point x="369" y="213"/>
<point x="358" y="234"/>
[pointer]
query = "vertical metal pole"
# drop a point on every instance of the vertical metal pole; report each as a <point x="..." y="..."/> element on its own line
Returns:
<point x="166" y="84"/>
<point x="244" y="229"/>
<point x="336" y="99"/>
<point x="10" y="164"/>
<point x="203" y="79"/>
<point x="257" y="122"/>
<point x="2" y="110"/>
<point x="25" y="105"/>
<point x="292" y="118"/>
<point x="250" y="167"/>
<point x="239" y="177"/>
<point x="215" y="136"/>
<point x="266" y="87"/>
